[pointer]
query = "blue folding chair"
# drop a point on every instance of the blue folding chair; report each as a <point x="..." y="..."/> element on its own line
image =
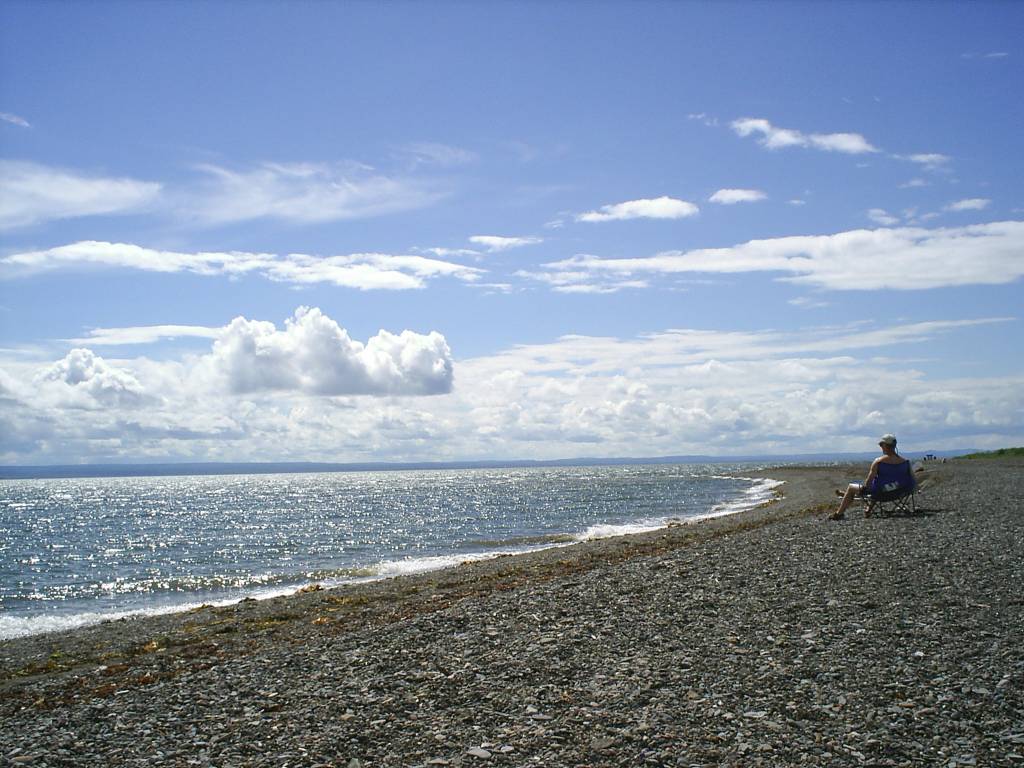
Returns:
<point x="892" y="491"/>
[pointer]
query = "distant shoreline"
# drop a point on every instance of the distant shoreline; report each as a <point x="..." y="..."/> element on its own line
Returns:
<point x="170" y="469"/>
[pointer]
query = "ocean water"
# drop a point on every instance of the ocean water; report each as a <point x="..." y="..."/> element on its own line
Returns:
<point x="78" y="551"/>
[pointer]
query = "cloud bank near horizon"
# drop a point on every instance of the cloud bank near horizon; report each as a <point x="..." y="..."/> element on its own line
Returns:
<point x="308" y="384"/>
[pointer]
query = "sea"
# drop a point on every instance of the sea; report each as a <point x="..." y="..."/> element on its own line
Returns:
<point x="79" y="551"/>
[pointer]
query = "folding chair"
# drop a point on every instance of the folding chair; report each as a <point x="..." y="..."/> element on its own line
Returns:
<point x="898" y="502"/>
<point x="893" y="491"/>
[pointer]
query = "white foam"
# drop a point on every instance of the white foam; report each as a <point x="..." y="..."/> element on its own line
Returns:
<point x="607" y="531"/>
<point x="387" y="569"/>
<point x="17" y="626"/>
<point x="757" y="494"/>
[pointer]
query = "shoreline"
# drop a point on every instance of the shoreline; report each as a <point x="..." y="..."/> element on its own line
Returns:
<point x="770" y="637"/>
<point x="123" y="636"/>
<point x="762" y="489"/>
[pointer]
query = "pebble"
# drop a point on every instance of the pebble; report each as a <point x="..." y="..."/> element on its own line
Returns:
<point x="885" y="642"/>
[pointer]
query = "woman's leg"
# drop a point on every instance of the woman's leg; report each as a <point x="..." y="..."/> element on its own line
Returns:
<point x="852" y="490"/>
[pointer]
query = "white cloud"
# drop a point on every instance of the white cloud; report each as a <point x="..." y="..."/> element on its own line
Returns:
<point x="971" y="204"/>
<point x="444" y="155"/>
<point x="444" y="253"/>
<point x="87" y="380"/>
<point x="656" y="208"/>
<point x="31" y="193"/>
<point x="492" y="288"/>
<point x="581" y="282"/>
<point x="797" y="202"/>
<point x="733" y="196"/>
<point x="496" y="243"/>
<point x="806" y="302"/>
<point x="681" y="390"/>
<point x="914" y="183"/>
<point x="929" y="159"/>
<point x="364" y="271"/>
<point x="302" y="192"/>
<point x="313" y="354"/>
<point x="703" y="118"/>
<point x="367" y="271"/>
<point x="21" y="122"/>
<point x="881" y="216"/>
<point x="773" y="137"/>
<point x="907" y="258"/>
<point x="145" y="334"/>
<point x="698" y="391"/>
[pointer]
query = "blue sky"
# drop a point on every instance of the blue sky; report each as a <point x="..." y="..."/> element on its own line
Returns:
<point x="352" y="231"/>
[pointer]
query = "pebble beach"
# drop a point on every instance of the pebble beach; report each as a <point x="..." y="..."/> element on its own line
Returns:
<point x="770" y="637"/>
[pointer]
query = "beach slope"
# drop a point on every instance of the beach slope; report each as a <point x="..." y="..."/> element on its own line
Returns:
<point x="767" y="638"/>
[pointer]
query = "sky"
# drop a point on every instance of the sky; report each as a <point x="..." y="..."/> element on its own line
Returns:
<point x="369" y="231"/>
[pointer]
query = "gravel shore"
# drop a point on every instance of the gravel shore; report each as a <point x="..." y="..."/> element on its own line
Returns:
<point x="769" y="638"/>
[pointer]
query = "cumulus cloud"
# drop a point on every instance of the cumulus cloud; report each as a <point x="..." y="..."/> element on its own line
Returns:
<point x="302" y="192"/>
<point x="971" y="204"/>
<point x="907" y="258"/>
<point x="31" y="193"/>
<point x="21" y="122"/>
<point x="314" y="355"/>
<point x="773" y="137"/>
<point x="89" y="381"/>
<point x="656" y="208"/>
<point x="363" y="271"/>
<point x="733" y="196"/>
<point x="495" y="243"/>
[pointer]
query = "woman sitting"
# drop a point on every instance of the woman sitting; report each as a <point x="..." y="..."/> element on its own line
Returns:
<point x="893" y="477"/>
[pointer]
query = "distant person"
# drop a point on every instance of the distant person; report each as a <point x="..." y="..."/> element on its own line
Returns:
<point x="889" y="456"/>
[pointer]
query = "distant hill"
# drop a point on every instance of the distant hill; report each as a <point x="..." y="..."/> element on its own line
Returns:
<point x="998" y="454"/>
